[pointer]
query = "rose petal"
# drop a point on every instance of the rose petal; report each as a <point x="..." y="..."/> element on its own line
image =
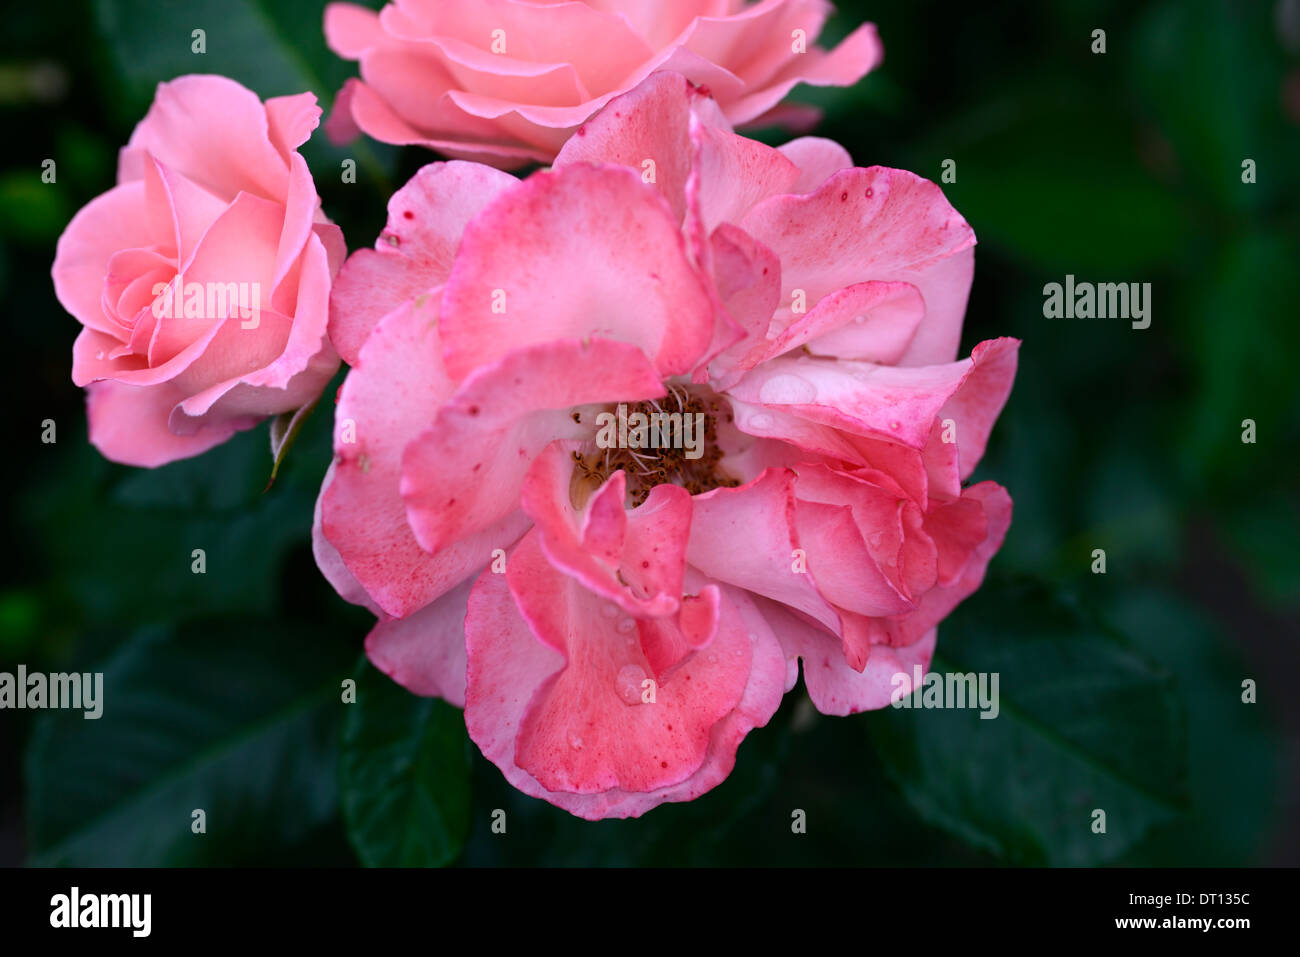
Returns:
<point x="114" y="221"/>
<point x="506" y="664"/>
<point x="635" y="558"/>
<point x="218" y="133"/>
<point x="363" y="515"/>
<point x="128" y="424"/>
<point x="637" y="285"/>
<point x="425" y="652"/>
<point x="873" y="224"/>
<point x="835" y="687"/>
<point x="465" y="472"/>
<point x="426" y="218"/>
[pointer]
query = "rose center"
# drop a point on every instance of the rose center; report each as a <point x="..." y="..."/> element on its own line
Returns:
<point x="667" y="441"/>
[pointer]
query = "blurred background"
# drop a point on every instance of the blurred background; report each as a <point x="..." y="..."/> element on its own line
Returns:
<point x="1120" y="691"/>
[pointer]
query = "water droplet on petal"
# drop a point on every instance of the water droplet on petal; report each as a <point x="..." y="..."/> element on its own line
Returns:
<point x="787" y="389"/>
<point x="628" y="683"/>
<point x="575" y="742"/>
<point x="626" y="625"/>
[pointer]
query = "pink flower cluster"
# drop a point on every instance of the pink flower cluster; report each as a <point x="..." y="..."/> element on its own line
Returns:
<point x="614" y="613"/>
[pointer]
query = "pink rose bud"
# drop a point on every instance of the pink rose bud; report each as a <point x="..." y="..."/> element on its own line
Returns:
<point x="202" y="279"/>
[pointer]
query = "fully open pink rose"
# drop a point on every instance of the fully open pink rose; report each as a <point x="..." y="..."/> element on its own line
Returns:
<point x="202" y="279"/>
<point x="507" y="81"/>
<point x="615" y="614"/>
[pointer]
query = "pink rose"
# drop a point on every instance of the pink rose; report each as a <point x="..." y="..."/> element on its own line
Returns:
<point x="506" y="81"/>
<point x="615" y="616"/>
<point x="202" y="279"/>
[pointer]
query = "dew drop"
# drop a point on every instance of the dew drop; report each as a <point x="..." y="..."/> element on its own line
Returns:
<point x="575" y="742"/>
<point x="626" y="625"/>
<point x="787" y="389"/>
<point x="628" y="683"/>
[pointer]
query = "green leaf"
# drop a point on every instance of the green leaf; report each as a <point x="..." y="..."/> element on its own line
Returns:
<point x="224" y="479"/>
<point x="1085" y="722"/>
<point x="238" y="719"/>
<point x="1211" y="74"/>
<point x="152" y="42"/>
<point x="121" y="538"/>
<point x="404" y="775"/>
<point x="284" y="432"/>
<point x="1235" y="755"/>
<point x="31" y="211"/>
<point x="1055" y="177"/>
<point x="1263" y="531"/>
<point x="1231" y="310"/>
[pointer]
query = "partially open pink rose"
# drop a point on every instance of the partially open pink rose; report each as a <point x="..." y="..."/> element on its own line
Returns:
<point x="506" y="81"/>
<point x="202" y="279"/>
<point x="616" y="616"/>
